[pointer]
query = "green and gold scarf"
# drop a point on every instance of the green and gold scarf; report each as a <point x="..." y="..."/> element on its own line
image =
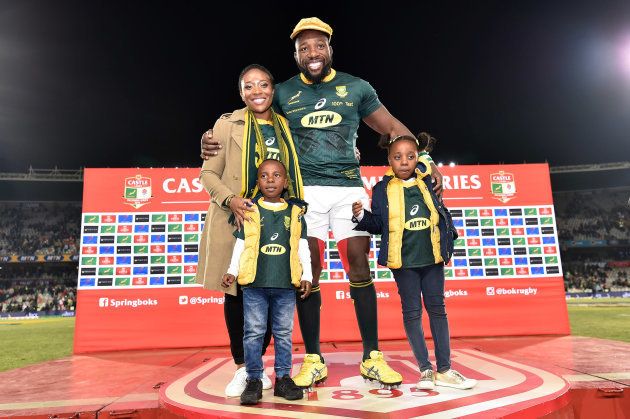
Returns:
<point x="255" y="150"/>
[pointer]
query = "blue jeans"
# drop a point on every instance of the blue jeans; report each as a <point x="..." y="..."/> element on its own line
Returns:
<point x="258" y="303"/>
<point x="427" y="282"/>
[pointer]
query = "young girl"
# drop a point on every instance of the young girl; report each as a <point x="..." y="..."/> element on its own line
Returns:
<point x="417" y="239"/>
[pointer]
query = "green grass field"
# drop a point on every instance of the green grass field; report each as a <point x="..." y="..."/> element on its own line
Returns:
<point x="605" y="318"/>
<point x="25" y="342"/>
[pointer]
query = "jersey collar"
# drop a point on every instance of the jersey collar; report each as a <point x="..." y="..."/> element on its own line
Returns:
<point x="271" y="206"/>
<point x="326" y="79"/>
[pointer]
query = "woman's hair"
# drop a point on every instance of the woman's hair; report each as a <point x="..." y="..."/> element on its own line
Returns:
<point x="257" y="67"/>
<point x="385" y="141"/>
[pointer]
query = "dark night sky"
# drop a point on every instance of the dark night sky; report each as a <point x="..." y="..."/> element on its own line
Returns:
<point x="135" y="83"/>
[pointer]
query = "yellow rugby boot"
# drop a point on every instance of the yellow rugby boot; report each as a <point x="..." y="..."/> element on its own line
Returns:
<point x="312" y="372"/>
<point x="376" y="368"/>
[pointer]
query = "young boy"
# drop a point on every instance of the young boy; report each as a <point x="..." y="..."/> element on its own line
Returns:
<point x="271" y="259"/>
<point x="416" y="242"/>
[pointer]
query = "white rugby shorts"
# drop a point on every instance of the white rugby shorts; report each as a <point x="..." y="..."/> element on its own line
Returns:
<point x="331" y="207"/>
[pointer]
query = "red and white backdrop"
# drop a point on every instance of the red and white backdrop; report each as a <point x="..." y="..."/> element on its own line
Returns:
<point x="139" y="252"/>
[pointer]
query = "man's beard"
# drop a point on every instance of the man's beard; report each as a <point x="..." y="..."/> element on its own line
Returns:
<point x="316" y="79"/>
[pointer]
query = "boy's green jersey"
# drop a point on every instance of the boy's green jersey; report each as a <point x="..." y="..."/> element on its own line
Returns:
<point x="273" y="269"/>
<point x="324" y="119"/>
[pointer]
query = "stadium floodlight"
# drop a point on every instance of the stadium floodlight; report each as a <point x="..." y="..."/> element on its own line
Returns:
<point x="440" y="164"/>
<point x="452" y="164"/>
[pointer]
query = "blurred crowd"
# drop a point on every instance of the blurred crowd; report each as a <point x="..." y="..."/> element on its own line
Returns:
<point x="32" y="288"/>
<point x="53" y="228"/>
<point x="39" y="228"/>
<point x="593" y="215"/>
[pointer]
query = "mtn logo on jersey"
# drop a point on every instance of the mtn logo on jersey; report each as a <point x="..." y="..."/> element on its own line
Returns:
<point x="321" y="119"/>
<point x="273" y="249"/>
<point x="417" y="224"/>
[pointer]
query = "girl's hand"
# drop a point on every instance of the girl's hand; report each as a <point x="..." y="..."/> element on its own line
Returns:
<point x="357" y="207"/>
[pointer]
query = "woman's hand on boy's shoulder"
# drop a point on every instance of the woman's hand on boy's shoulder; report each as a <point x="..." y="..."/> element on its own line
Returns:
<point x="305" y="289"/>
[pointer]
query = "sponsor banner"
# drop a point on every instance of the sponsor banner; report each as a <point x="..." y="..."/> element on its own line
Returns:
<point x="140" y="235"/>
<point x="39" y="258"/>
<point x="155" y="318"/>
<point x="619" y="264"/>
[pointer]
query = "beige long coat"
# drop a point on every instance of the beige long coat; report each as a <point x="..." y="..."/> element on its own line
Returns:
<point x="221" y="177"/>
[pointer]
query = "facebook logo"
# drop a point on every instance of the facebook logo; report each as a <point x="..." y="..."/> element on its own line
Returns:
<point x="174" y="248"/>
<point x="191" y="258"/>
<point x="191" y="217"/>
<point x="90" y="240"/>
<point x="520" y="261"/>
<point x="125" y="218"/>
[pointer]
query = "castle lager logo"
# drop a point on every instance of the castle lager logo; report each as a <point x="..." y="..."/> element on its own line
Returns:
<point x="137" y="191"/>
<point x="503" y="186"/>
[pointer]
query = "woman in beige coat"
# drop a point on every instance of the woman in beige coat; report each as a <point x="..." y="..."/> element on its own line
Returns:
<point x="247" y="136"/>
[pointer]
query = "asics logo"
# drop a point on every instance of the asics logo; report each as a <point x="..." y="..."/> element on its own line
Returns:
<point x="414" y="209"/>
<point x="320" y="103"/>
<point x="274" y="236"/>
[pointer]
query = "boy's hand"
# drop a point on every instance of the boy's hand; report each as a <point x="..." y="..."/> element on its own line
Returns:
<point x="357" y="207"/>
<point x="227" y="280"/>
<point x="305" y="289"/>
<point x="209" y="146"/>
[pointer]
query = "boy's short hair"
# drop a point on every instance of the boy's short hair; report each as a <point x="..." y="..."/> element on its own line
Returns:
<point x="274" y="160"/>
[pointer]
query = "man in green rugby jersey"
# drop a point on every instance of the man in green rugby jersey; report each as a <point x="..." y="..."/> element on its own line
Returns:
<point x="324" y="108"/>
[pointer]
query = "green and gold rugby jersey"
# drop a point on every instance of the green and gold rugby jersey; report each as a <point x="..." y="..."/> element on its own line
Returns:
<point x="324" y="119"/>
<point x="271" y="142"/>
<point x="417" y="250"/>
<point x="273" y="268"/>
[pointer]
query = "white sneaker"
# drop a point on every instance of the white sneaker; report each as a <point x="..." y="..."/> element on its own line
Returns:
<point x="236" y="387"/>
<point x="266" y="381"/>
<point x="427" y="380"/>
<point x="452" y="378"/>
